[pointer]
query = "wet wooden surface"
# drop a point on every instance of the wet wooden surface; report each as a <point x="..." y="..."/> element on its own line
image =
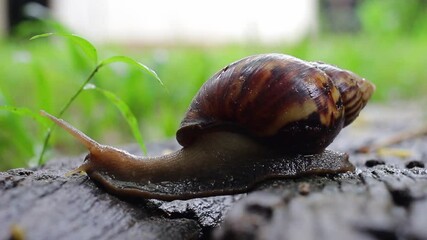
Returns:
<point x="385" y="198"/>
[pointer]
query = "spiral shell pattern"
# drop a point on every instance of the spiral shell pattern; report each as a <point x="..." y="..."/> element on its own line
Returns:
<point x="279" y="99"/>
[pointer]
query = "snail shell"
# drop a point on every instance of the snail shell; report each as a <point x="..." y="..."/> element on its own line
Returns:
<point x="262" y="117"/>
<point x="282" y="101"/>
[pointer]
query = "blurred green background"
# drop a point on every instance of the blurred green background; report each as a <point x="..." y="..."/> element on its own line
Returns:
<point x="387" y="45"/>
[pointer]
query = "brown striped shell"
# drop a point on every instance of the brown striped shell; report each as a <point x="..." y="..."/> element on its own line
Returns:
<point x="294" y="105"/>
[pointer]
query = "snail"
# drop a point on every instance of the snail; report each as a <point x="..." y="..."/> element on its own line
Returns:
<point x="262" y="117"/>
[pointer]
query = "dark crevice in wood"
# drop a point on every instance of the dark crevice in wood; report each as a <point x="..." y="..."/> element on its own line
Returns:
<point x="381" y="234"/>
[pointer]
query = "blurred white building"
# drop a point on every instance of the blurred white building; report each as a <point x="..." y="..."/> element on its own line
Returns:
<point x="187" y="21"/>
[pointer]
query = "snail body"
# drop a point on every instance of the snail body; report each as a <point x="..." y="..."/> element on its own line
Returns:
<point x="262" y="117"/>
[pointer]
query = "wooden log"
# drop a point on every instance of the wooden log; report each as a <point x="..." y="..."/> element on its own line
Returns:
<point x="383" y="202"/>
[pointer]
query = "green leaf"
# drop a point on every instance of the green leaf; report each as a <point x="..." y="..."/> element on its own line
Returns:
<point x="24" y="112"/>
<point x="124" y="110"/>
<point x="41" y="36"/>
<point x="131" y="61"/>
<point x="84" y="44"/>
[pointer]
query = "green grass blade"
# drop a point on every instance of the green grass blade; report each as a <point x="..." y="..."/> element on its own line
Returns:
<point x="84" y="44"/>
<point x="131" y="61"/>
<point x="41" y="36"/>
<point x="24" y="112"/>
<point x="125" y="111"/>
<point x="67" y="105"/>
